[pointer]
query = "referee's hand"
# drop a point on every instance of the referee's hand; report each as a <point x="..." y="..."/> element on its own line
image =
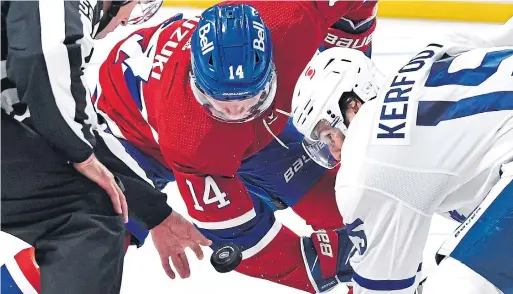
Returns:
<point x="98" y="173"/>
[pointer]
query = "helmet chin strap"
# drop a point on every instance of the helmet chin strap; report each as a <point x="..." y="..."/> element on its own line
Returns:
<point x="271" y="132"/>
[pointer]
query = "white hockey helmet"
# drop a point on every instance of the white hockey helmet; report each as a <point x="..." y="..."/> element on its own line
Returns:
<point x="330" y="77"/>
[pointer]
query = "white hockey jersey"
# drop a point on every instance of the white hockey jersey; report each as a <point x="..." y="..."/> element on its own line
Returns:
<point x="433" y="141"/>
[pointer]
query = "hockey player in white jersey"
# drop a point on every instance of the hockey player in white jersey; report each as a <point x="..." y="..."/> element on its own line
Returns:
<point x="436" y="138"/>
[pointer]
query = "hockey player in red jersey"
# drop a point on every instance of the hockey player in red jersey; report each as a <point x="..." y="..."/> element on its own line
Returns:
<point x="205" y="102"/>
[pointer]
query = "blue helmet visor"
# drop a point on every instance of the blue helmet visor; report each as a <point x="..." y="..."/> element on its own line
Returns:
<point x="238" y="110"/>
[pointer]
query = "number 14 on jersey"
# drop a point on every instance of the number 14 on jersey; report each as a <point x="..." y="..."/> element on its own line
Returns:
<point x="210" y="186"/>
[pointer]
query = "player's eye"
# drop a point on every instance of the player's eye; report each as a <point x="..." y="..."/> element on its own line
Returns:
<point x="326" y="137"/>
<point x="321" y="127"/>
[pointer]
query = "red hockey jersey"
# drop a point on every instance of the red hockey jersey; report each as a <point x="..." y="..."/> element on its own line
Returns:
<point x="164" y="119"/>
<point x="145" y="95"/>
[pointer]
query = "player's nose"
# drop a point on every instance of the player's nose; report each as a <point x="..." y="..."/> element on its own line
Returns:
<point x="234" y="110"/>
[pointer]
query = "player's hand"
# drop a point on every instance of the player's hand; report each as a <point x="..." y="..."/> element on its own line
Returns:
<point x="93" y="169"/>
<point x="171" y="238"/>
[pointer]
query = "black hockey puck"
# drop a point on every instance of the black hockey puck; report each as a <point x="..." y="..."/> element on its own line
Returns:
<point x="226" y="258"/>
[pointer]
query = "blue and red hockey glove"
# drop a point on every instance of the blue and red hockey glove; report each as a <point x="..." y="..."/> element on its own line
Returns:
<point x="326" y="255"/>
<point x="354" y="30"/>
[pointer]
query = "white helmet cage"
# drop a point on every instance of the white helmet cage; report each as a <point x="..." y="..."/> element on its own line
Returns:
<point x="327" y="77"/>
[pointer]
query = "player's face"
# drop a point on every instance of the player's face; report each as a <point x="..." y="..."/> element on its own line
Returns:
<point x="352" y="108"/>
<point x="334" y="138"/>
<point x="235" y="110"/>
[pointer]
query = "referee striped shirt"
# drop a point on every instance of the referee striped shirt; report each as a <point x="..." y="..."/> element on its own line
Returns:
<point x="45" y="47"/>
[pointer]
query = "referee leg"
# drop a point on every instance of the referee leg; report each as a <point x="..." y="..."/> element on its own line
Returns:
<point x="77" y="235"/>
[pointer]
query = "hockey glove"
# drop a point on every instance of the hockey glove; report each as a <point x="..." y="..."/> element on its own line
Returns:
<point x="354" y="30"/>
<point x="326" y="255"/>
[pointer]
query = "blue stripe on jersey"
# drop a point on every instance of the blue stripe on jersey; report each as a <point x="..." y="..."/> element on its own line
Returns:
<point x="439" y="74"/>
<point x="138" y="231"/>
<point x="431" y="113"/>
<point x="132" y="84"/>
<point x="248" y="234"/>
<point x="278" y="175"/>
<point x="385" y="285"/>
<point x="8" y="285"/>
<point x="174" y="18"/>
<point x="155" y="171"/>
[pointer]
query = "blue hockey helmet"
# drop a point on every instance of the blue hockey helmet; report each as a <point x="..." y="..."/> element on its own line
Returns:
<point x="233" y="74"/>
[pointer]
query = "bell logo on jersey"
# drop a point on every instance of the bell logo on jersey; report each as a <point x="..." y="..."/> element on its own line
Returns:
<point x="259" y="43"/>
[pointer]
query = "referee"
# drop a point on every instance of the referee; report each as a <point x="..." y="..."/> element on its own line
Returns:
<point x="64" y="180"/>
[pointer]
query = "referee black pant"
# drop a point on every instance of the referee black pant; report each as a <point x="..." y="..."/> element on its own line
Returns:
<point x="78" y="238"/>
